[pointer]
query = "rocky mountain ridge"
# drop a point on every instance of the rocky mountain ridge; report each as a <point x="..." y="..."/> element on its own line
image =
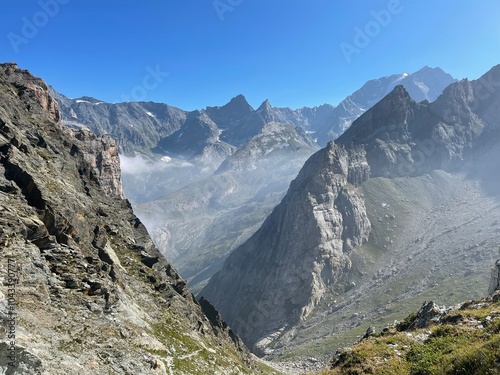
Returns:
<point x="93" y="295"/>
<point x="325" y="219"/>
<point x="424" y="85"/>
<point x="135" y="126"/>
<point x="140" y="126"/>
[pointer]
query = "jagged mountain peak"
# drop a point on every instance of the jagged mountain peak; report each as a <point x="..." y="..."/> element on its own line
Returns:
<point x="427" y="68"/>
<point x="197" y="140"/>
<point x="398" y="92"/>
<point x="200" y="115"/>
<point x="388" y="115"/>
<point x="265" y="106"/>
<point x="238" y="103"/>
<point x="425" y="84"/>
<point x="200" y="119"/>
<point x="437" y="71"/>
<point x="198" y="130"/>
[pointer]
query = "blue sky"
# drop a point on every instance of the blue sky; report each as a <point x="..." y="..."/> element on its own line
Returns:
<point x="198" y="53"/>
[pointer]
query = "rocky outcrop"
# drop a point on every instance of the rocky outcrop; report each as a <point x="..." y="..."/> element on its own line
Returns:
<point x="88" y="290"/>
<point x="101" y="152"/>
<point x="429" y="312"/>
<point x="31" y="88"/>
<point x="287" y="266"/>
<point x="459" y="339"/>
<point x="495" y="279"/>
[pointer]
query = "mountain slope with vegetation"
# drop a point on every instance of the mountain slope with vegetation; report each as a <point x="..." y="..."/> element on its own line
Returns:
<point x="461" y="340"/>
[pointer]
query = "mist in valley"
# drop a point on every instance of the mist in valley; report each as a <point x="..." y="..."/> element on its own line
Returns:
<point x="197" y="220"/>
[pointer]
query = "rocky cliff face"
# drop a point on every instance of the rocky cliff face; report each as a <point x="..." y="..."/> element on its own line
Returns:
<point x="311" y="247"/>
<point x="89" y="292"/>
<point x="300" y="251"/>
<point x="101" y="152"/>
<point x="495" y="279"/>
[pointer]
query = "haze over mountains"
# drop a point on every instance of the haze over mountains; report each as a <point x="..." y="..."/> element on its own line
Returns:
<point x="301" y="249"/>
<point x="200" y="224"/>
<point x="199" y="184"/>
<point x="354" y="205"/>
<point x="403" y="207"/>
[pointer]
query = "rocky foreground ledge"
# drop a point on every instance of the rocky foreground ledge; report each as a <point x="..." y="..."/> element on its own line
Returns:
<point x="463" y="339"/>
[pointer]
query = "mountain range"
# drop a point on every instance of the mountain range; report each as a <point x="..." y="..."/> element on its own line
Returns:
<point x="198" y="168"/>
<point x="403" y="207"/>
<point x="140" y="126"/>
<point x="207" y="180"/>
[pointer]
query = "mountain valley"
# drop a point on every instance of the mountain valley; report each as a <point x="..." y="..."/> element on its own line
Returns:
<point x="185" y="176"/>
<point x="303" y="228"/>
<point x="403" y="207"/>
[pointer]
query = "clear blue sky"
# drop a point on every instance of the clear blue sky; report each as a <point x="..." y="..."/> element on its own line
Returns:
<point x="287" y="51"/>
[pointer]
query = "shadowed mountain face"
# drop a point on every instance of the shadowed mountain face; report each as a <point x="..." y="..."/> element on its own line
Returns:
<point x="237" y="121"/>
<point x="197" y="139"/>
<point x="93" y="294"/>
<point x="136" y="126"/>
<point x="400" y="208"/>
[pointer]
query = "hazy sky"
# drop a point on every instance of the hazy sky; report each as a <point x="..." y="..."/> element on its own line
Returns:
<point x="195" y="53"/>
